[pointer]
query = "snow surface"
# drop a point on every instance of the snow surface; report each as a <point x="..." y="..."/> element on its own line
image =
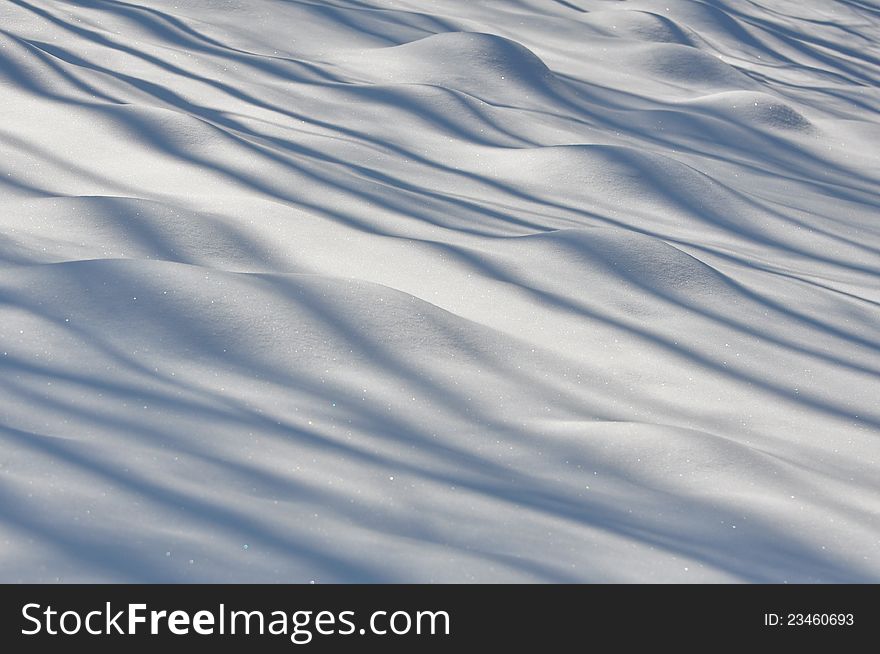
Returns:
<point x="440" y="290"/>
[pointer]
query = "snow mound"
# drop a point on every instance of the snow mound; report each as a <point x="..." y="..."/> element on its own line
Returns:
<point x="471" y="62"/>
<point x="683" y="65"/>
<point x="54" y="230"/>
<point x="760" y="110"/>
<point x="281" y="323"/>
<point x="589" y="258"/>
<point x="619" y="177"/>
<point x="638" y="26"/>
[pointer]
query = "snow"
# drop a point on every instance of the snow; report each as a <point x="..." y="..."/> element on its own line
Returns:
<point x="411" y="291"/>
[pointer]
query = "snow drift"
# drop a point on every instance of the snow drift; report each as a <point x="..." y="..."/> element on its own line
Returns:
<point x="439" y="291"/>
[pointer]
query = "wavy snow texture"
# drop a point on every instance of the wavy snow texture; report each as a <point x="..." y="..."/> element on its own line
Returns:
<point x="439" y="291"/>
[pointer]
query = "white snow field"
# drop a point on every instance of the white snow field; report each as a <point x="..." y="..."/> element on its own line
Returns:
<point x="440" y="291"/>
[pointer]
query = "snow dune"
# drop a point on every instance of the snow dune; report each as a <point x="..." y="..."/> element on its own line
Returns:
<point x="373" y="291"/>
